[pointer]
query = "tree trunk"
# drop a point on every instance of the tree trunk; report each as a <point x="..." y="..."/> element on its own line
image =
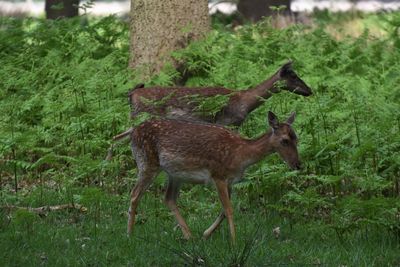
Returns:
<point x="159" y="27"/>
<point x="254" y="10"/>
<point x="61" y="8"/>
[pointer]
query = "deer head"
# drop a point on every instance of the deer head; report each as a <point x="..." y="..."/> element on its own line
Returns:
<point x="292" y="81"/>
<point x="284" y="140"/>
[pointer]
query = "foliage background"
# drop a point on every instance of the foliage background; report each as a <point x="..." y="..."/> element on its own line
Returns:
<point x="63" y="95"/>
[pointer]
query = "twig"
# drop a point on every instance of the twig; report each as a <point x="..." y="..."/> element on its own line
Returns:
<point x="42" y="211"/>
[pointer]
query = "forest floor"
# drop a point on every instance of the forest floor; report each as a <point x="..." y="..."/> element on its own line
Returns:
<point x="96" y="237"/>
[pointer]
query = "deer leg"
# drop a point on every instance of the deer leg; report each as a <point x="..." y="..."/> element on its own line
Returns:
<point x="223" y="192"/>
<point x="207" y="233"/>
<point x="171" y="196"/>
<point x="145" y="179"/>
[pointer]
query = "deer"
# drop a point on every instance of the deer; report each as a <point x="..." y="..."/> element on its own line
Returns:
<point x="203" y="153"/>
<point x="176" y="100"/>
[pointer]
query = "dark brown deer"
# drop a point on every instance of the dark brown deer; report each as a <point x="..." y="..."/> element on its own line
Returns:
<point x="176" y="101"/>
<point x="202" y="153"/>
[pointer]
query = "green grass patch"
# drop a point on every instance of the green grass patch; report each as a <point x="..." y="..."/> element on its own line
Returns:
<point x="97" y="237"/>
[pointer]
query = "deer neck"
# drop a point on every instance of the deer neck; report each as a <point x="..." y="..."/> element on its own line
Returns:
<point x="257" y="149"/>
<point x="252" y="98"/>
<point x="266" y="88"/>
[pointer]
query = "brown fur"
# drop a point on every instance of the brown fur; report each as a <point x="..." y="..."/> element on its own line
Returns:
<point x="176" y="105"/>
<point x="191" y="152"/>
<point x="241" y="103"/>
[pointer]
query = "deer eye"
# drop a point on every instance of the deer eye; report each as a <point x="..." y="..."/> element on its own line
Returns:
<point x="284" y="142"/>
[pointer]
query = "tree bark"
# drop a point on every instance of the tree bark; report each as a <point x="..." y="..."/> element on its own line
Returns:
<point x="160" y="27"/>
<point x="56" y="9"/>
<point x="254" y="10"/>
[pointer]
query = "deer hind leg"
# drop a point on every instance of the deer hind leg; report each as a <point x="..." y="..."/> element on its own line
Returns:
<point x="171" y="196"/>
<point x="145" y="178"/>
<point x="207" y="233"/>
<point x="223" y="192"/>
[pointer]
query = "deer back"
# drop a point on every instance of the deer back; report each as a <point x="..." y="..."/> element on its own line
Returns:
<point x="188" y="146"/>
<point x="173" y="102"/>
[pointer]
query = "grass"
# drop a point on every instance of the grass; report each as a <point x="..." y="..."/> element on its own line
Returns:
<point x="97" y="237"/>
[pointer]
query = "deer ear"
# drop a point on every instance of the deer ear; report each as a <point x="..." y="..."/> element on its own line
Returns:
<point x="291" y="118"/>
<point x="273" y="120"/>
<point x="286" y="68"/>
<point x="288" y="64"/>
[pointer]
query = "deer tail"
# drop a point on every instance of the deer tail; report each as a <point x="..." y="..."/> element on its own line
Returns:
<point x="122" y="135"/>
<point x="117" y="137"/>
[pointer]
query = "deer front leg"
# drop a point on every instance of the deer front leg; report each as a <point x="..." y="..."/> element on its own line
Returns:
<point x="207" y="233"/>
<point x="223" y="192"/>
<point x="144" y="180"/>
<point x="171" y="196"/>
